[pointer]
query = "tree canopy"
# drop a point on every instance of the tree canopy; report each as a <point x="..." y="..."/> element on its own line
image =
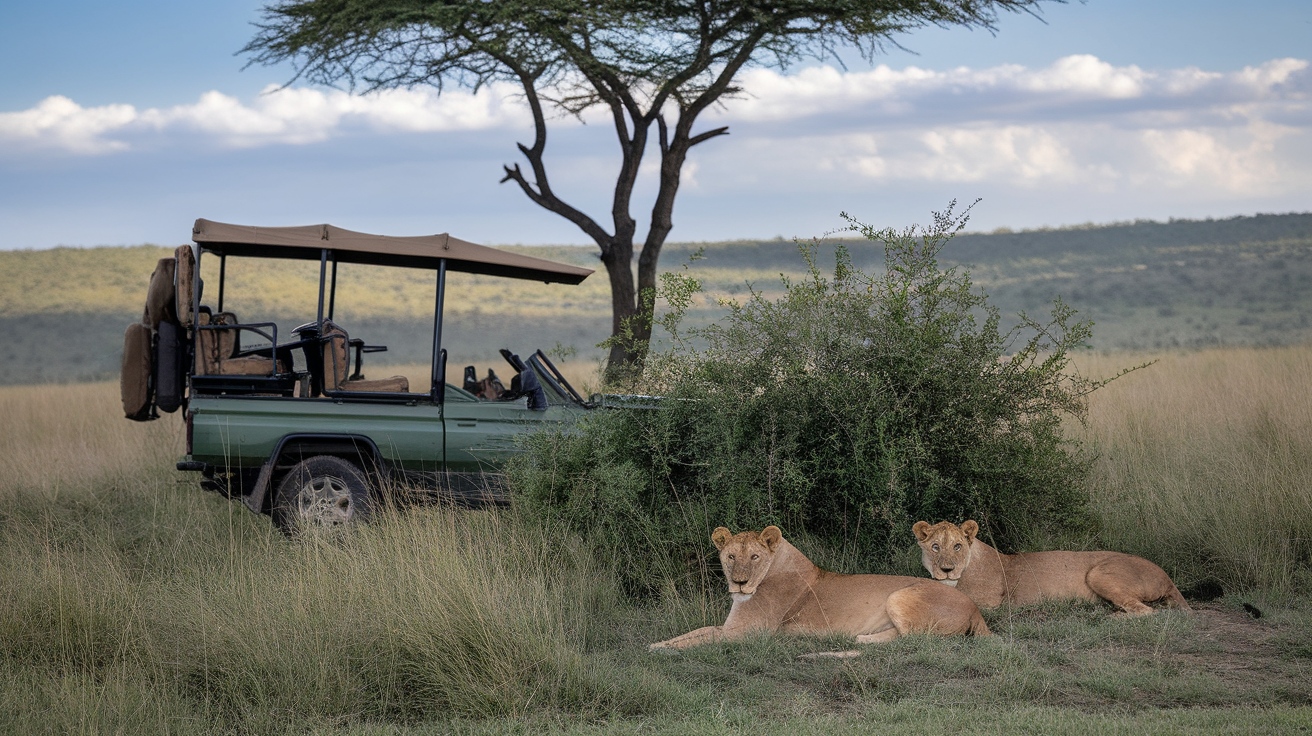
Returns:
<point x="649" y="63"/>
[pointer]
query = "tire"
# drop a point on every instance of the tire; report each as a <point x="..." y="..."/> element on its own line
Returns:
<point x="168" y="368"/>
<point x="322" y="492"/>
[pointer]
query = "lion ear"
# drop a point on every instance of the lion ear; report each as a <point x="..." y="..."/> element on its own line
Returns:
<point x="721" y="537"/>
<point x="921" y="530"/>
<point x="970" y="529"/>
<point x="771" y="536"/>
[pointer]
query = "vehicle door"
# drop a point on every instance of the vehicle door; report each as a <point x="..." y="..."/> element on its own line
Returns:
<point x="482" y="435"/>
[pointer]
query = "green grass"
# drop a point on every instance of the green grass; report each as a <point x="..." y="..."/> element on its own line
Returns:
<point x="168" y="610"/>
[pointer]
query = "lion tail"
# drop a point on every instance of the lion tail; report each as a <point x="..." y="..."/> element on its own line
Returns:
<point x="1175" y="600"/>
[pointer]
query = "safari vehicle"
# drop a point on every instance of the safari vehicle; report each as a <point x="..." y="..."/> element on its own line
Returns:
<point x="287" y="423"/>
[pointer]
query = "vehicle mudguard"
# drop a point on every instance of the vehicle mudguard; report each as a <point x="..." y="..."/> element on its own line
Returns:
<point x="168" y="367"/>
<point x="313" y="444"/>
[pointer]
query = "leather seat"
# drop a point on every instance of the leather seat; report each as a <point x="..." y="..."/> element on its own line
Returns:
<point x="216" y="350"/>
<point x="337" y="370"/>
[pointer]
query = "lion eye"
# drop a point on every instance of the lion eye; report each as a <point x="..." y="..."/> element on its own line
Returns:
<point x="732" y="557"/>
<point x="756" y="557"/>
<point x="936" y="548"/>
<point x="957" y="548"/>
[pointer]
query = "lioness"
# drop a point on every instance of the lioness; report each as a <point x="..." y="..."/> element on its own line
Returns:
<point x="954" y="556"/>
<point x="776" y="588"/>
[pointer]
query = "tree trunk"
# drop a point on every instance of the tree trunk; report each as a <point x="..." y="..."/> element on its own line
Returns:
<point x="630" y="326"/>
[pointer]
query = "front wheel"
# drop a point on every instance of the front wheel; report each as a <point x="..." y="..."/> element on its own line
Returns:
<point x="322" y="492"/>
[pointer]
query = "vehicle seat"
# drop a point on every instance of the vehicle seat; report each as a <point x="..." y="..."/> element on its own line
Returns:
<point x="337" y="370"/>
<point x="216" y="350"/>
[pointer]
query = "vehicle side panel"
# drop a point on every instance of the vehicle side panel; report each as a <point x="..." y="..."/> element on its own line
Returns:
<point x="480" y="435"/>
<point x="243" y="432"/>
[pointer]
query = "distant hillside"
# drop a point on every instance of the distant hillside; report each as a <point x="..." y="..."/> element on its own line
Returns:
<point x="1147" y="285"/>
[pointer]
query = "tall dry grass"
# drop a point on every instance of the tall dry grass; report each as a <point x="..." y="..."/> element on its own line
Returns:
<point x="1206" y="463"/>
<point x="65" y="438"/>
<point x="132" y="600"/>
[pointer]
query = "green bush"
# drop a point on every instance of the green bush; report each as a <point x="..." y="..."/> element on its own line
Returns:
<point x="844" y="411"/>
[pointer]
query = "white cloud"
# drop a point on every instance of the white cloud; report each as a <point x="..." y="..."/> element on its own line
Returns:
<point x="1246" y="163"/>
<point x="61" y="123"/>
<point x="278" y="116"/>
<point x="1019" y="152"/>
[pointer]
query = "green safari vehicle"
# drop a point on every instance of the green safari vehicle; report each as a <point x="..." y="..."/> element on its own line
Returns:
<point x="288" y="424"/>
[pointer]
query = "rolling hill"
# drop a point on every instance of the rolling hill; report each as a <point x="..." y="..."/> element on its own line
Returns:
<point x="1147" y="286"/>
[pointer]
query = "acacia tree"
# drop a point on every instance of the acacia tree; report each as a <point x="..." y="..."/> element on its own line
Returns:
<point x="650" y="63"/>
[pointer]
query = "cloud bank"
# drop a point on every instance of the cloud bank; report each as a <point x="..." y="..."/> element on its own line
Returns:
<point x="1079" y="122"/>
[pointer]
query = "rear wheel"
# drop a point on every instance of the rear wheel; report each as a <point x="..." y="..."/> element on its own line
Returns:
<point x="322" y="492"/>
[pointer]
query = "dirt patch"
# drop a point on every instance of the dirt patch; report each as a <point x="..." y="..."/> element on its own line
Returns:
<point x="1235" y="632"/>
<point x="1246" y="653"/>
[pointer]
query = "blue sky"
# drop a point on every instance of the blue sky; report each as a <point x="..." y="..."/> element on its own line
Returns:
<point x="120" y="123"/>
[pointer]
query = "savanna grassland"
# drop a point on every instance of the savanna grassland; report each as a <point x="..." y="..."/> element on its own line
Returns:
<point x="131" y="601"/>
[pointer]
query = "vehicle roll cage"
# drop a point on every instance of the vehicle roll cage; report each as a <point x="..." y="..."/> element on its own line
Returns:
<point x="330" y="244"/>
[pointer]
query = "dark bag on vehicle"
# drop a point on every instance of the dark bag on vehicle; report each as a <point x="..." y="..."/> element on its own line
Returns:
<point x="528" y="384"/>
<point x="135" y="384"/>
<point x="525" y="383"/>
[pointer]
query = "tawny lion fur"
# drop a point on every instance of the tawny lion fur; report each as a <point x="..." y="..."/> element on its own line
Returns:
<point x="775" y="588"/>
<point x="953" y="554"/>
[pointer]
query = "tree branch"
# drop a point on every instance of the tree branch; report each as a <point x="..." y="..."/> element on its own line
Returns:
<point x="543" y="195"/>
<point x="701" y="137"/>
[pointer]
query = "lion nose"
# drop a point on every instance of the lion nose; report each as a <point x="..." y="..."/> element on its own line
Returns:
<point x="946" y="568"/>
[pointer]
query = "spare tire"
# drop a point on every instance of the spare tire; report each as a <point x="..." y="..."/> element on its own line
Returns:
<point x="168" y="367"/>
<point x="135" y="384"/>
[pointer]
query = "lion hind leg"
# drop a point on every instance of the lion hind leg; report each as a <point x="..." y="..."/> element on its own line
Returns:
<point x="1130" y="583"/>
<point x="933" y="608"/>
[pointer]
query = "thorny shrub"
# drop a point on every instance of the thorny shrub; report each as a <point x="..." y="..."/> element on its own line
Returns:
<point x="843" y="411"/>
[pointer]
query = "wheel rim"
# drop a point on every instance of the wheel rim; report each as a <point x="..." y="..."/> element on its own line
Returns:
<point x="325" y="502"/>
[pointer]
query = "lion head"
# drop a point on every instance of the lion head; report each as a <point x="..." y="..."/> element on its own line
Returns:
<point x="945" y="548"/>
<point x="746" y="557"/>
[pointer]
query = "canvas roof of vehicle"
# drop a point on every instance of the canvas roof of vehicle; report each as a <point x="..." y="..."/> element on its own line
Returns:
<point x="307" y="242"/>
